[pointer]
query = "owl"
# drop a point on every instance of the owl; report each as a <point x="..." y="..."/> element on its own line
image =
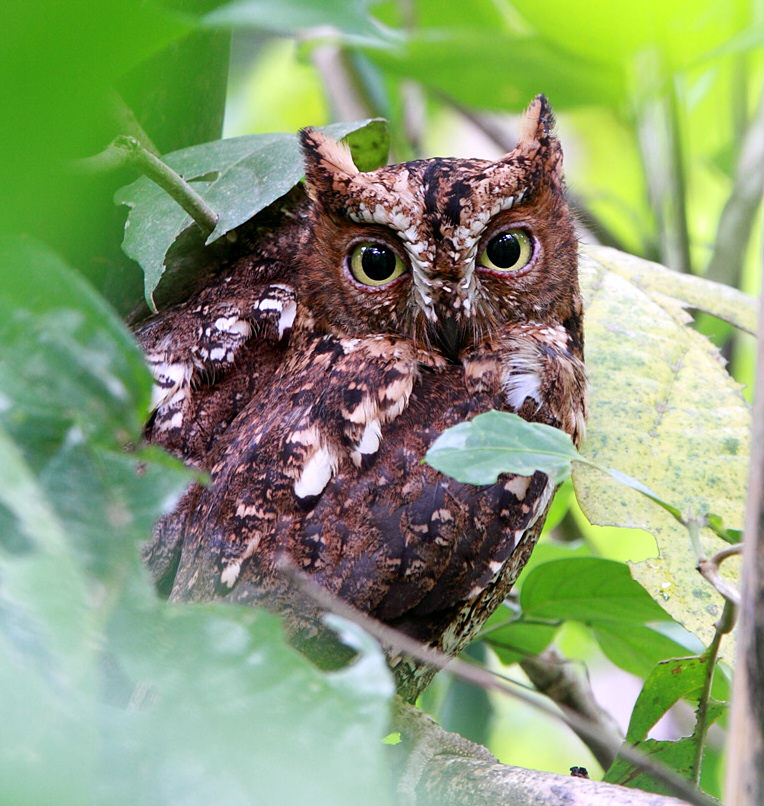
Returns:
<point x="361" y="317"/>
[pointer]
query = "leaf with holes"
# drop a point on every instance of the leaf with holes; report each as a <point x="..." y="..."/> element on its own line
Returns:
<point x="668" y="683"/>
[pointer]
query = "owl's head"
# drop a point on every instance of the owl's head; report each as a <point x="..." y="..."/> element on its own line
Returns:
<point x="441" y="251"/>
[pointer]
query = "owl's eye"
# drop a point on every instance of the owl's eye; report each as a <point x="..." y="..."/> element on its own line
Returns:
<point x="375" y="264"/>
<point x="508" y="251"/>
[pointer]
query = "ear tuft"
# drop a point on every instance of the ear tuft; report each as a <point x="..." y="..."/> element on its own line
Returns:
<point x="326" y="160"/>
<point x="538" y="122"/>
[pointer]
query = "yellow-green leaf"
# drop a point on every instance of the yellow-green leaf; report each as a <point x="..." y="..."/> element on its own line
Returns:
<point x="664" y="410"/>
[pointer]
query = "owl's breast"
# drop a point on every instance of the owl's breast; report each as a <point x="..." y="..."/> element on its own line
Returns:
<point x="388" y="534"/>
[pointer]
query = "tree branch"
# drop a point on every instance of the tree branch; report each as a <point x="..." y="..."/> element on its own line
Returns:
<point x="126" y="151"/>
<point x="461" y="773"/>
<point x="398" y="642"/>
<point x="659" y="138"/>
<point x="745" y="756"/>
<point x="709" y="570"/>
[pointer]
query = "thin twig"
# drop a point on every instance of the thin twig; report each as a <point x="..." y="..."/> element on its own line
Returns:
<point x="399" y="642"/>
<point x="125" y="151"/>
<point x="723" y="626"/>
<point x="659" y="138"/>
<point x="347" y="96"/>
<point x="709" y="570"/>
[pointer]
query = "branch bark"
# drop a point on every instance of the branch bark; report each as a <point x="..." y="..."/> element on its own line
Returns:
<point x="745" y="765"/>
<point x="392" y="639"/>
<point x="459" y="773"/>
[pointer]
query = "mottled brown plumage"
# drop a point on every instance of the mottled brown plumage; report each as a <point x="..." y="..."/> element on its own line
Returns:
<point x="310" y="377"/>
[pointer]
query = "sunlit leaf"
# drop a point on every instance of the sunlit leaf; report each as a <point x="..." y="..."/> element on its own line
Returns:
<point x="663" y="410"/>
<point x="686" y="290"/>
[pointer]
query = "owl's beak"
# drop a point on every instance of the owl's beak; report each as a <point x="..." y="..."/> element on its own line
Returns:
<point x="450" y="336"/>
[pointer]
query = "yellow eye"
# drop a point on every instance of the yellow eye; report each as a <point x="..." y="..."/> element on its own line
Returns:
<point x="375" y="264"/>
<point x="508" y="251"/>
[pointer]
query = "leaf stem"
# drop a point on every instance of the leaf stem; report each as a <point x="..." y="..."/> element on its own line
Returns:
<point x="693" y="526"/>
<point x="723" y="626"/>
<point x="126" y="151"/>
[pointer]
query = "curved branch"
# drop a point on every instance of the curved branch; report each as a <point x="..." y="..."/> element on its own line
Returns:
<point x="392" y="639"/>
<point x="709" y="570"/>
<point x="460" y="773"/>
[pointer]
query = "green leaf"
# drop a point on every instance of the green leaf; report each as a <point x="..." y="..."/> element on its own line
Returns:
<point x="678" y="755"/>
<point x="350" y="17"/>
<point x="663" y="410"/>
<point x="238" y="178"/>
<point x="519" y="639"/>
<point x="229" y="696"/>
<point x="668" y="683"/>
<point x="716" y="524"/>
<point x="498" y="442"/>
<point x="638" y="648"/>
<point x="69" y="369"/>
<point x="98" y="678"/>
<point x="587" y="589"/>
<point x="526" y="63"/>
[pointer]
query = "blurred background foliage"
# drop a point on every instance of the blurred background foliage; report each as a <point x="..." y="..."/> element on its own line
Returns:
<point x="660" y="113"/>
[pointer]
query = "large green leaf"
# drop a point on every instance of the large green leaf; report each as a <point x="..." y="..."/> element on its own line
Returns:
<point x="238" y="178"/>
<point x="590" y="590"/>
<point x="664" y="410"/>
<point x="107" y="694"/>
